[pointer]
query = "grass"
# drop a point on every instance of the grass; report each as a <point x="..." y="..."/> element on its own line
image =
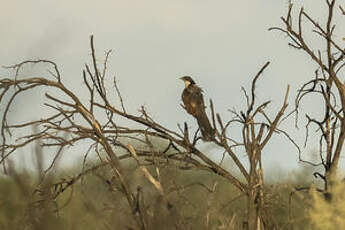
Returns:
<point x="203" y="201"/>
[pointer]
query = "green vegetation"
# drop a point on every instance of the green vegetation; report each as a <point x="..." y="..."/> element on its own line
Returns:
<point x="327" y="214"/>
<point x="203" y="201"/>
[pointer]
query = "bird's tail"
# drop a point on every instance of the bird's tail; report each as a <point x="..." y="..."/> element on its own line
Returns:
<point x="205" y="127"/>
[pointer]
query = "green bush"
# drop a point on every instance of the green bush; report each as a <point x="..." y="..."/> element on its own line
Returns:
<point x="328" y="213"/>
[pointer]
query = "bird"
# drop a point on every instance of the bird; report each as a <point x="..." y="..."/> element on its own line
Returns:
<point x="193" y="101"/>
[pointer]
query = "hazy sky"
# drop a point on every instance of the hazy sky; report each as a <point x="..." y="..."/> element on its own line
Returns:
<point x="222" y="44"/>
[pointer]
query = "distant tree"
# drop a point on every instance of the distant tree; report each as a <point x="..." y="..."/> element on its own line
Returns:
<point x="326" y="85"/>
<point x="98" y="120"/>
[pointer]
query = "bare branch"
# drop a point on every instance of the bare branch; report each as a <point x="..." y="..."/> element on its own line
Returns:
<point x="250" y="108"/>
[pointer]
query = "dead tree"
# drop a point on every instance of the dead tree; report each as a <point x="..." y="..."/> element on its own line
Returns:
<point x="97" y="120"/>
<point x="327" y="82"/>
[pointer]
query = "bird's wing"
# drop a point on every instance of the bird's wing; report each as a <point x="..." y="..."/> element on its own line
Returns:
<point x="198" y="100"/>
<point x="193" y="100"/>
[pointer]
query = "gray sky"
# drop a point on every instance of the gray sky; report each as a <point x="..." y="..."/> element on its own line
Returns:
<point x="222" y="44"/>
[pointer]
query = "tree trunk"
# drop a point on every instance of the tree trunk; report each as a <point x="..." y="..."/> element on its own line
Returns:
<point x="252" y="210"/>
<point x="253" y="199"/>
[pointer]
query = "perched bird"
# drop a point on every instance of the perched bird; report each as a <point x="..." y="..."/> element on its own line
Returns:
<point x="194" y="104"/>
